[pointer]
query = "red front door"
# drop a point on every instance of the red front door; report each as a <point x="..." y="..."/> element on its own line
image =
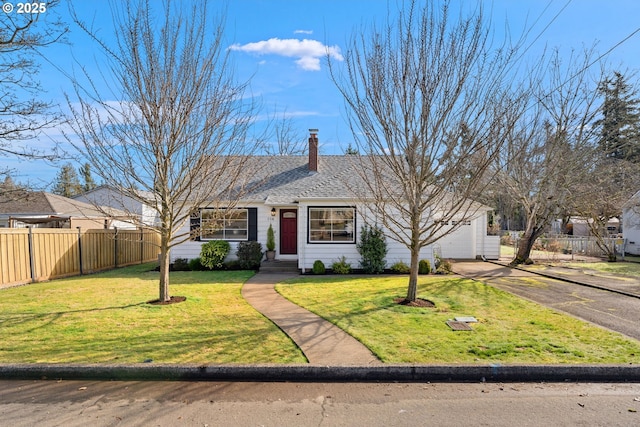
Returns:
<point x="288" y="231"/>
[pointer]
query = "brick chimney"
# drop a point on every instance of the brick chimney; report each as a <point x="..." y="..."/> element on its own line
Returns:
<point x="313" y="150"/>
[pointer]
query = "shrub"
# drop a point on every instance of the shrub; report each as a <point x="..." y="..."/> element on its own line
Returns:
<point x="271" y="239"/>
<point x="341" y="266"/>
<point x="318" y="267"/>
<point x="444" y="267"/>
<point x="213" y="253"/>
<point x="249" y="255"/>
<point x="373" y="249"/>
<point x="424" y="267"/>
<point x="196" y="264"/>
<point x="180" y="264"/>
<point x="232" y="265"/>
<point x="401" y="268"/>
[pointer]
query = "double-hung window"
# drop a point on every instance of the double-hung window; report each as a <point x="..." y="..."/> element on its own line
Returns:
<point x="334" y="224"/>
<point x="224" y="224"/>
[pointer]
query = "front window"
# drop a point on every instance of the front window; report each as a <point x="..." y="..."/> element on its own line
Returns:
<point x="224" y="224"/>
<point x="331" y="225"/>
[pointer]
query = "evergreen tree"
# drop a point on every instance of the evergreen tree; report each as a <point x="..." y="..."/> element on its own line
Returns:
<point x="67" y="183"/>
<point x="351" y="150"/>
<point x="620" y="122"/>
<point x="88" y="182"/>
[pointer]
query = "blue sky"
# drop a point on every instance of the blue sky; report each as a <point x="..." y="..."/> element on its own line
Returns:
<point x="280" y="43"/>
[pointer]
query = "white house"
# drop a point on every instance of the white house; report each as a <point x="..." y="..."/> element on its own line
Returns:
<point x="309" y="203"/>
<point x="106" y="195"/>
<point x="631" y="224"/>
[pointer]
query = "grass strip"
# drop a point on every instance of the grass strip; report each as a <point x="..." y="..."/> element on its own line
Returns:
<point x="510" y="329"/>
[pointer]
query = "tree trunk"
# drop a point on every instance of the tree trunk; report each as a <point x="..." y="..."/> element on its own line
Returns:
<point x="164" y="271"/>
<point x="412" y="290"/>
<point x="525" y="245"/>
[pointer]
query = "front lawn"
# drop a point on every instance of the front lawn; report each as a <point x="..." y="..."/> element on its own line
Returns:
<point x="103" y="318"/>
<point x="510" y="329"/>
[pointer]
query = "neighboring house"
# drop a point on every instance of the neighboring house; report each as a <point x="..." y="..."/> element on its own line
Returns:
<point x="631" y="224"/>
<point x="106" y="195"/>
<point x="579" y="227"/>
<point x="308" y="202"/>
<point x="39" y="209"/>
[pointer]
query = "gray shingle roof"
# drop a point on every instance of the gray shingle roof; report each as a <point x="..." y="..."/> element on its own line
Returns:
<point x="287" y="179"/>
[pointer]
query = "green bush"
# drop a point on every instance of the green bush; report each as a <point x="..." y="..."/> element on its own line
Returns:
<point x="195" y="264"/>
<point x="271" y="239"/>
<point x="444" y="267"/>
<point x="249" y="255"/>
<point x="400" y="268"/>
<point x="341" y="266"/>
<point x="424" y="267"/>
<point x="318" y="267"/>
<point x="180" y="264"/>
<point x="373" y="249"/>
<point x="232" y="265"/>
<point x="213" y="253"/>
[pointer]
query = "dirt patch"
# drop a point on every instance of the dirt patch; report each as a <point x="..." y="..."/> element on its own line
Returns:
<point x="172" y="300"/>
<point x="419" y="302"/>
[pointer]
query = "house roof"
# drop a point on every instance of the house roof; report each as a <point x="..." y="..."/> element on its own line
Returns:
<point x="283" y="180"/>
<point x="633" y="202"/>
<point x="24" y="203"/>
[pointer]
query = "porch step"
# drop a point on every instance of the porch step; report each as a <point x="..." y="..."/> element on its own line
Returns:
<point x="277" y="266"/>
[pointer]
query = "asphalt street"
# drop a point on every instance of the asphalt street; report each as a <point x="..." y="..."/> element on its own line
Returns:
<point x="81" y="403"/>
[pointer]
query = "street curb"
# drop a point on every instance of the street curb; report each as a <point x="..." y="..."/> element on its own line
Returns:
<point x="311" y="373"/>
<point x="568" y="280"/>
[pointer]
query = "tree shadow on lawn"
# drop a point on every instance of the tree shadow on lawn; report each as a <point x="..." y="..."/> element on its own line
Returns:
<point x="46" y="319"/>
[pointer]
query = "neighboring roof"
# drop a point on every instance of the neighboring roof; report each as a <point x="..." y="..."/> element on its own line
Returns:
<point x="147" y="195"/>
<point x="43" y="203"/>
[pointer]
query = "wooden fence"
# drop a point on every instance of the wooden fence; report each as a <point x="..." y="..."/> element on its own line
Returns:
<point x="35" y="254"/>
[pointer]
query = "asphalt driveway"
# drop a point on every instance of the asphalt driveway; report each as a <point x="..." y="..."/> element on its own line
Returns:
<point x="614" y="311"/>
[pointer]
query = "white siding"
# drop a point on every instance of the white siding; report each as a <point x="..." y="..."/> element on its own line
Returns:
<point x="329" y="253"/>
<point x="460" y="244"/>
<point x="631" y="231"/>
<point x="191" y="249"/>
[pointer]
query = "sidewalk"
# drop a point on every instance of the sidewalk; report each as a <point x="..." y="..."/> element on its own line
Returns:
<point x="321" y="342"/>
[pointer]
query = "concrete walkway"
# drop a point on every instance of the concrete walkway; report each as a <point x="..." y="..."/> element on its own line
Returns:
<point x="321" y="342"/>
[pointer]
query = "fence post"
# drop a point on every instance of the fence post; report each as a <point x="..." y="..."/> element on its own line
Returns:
<point x="141" y="245"/>
<point x="115" y="247"/>
<point x="80" y="249"/>
<point x="32" y="261"/>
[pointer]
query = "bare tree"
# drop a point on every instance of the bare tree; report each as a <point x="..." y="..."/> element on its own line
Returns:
<point x="552" y="152"/>
<point x="23" y="112"/>
<point x="177" y="132"/>
<point x="288" y="139"/>
<point x="430" y="101"/>
<point x="611" y="184"/>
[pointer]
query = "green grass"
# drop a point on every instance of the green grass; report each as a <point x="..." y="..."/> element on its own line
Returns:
<point x="623" y="268"/>
<point x="511" y="329"/>
<point x="103" y="318"/>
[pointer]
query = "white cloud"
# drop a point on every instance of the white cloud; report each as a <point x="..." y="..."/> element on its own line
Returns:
<point x="303" y="32"/>
<point x="308" y="52"/>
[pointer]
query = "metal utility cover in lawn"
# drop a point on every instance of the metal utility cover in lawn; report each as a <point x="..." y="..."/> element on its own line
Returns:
<point x="459" y="326"/>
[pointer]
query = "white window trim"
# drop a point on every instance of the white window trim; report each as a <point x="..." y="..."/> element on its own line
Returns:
<point x="224" y="230"/>
<point x="338" y="242"/>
